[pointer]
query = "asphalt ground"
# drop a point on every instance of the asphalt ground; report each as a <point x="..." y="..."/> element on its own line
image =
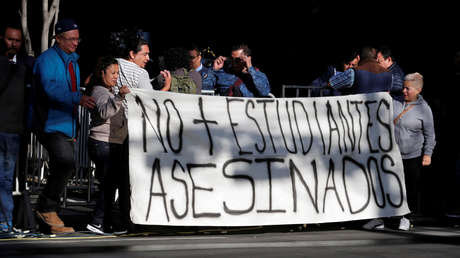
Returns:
<point x="428" y="238"/>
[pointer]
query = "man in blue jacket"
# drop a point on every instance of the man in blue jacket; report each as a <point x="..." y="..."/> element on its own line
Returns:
<point x="57" y="77"/>
<point x="241" y="78"/>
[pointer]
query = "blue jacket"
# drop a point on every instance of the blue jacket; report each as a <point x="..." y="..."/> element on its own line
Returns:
<point x="254" y="84"/>
<point x="53" y="79"/>
<point x="398" y="81"/>
<point x="208" y="78"/>
<point x="371" y="77"/>
<point x="368" y="77"/>
<point x="322" y="82"/>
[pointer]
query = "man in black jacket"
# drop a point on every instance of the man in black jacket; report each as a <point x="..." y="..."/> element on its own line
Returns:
<point x="15" y="72"/>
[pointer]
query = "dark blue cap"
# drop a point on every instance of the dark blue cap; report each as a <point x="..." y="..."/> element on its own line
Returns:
<point x="65" y="25"/>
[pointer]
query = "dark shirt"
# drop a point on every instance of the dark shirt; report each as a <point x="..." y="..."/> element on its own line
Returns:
<point x="12" y="96"/>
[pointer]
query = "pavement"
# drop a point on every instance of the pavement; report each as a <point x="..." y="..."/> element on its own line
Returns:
<point x="429" y="237"/>
<point x="418" y="242"/>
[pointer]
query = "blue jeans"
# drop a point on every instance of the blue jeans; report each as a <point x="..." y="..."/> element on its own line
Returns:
<point x="9" y="150"/>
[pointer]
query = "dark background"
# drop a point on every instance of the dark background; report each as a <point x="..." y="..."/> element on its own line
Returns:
<point x="292" y="43"/>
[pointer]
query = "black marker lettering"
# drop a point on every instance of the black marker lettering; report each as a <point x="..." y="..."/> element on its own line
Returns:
<point x="369" y="125"/>
<point x="295" y="171"/>
<point x="346" y="160"/>
<point x="290" y="126"/>
<point x="162" y="194"/>
<point x="331" y="188"/>
<point x="269" y="171"/>
<point x="244" y="177"/>
<point x="304" y="151"/>
<point x="260" y="150"/>
<point x="233" y="125"/>
<point x="205" y="122"/>
<point x="184" y="183"/>
<point x="200" y="188"/>
<point x="168" y="128"/>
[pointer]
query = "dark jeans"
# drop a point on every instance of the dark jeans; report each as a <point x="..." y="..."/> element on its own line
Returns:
<point x="413" y="179"/>
<point x="61" y="166"/>
<point x="112" y="172"/>
<point x="9" y="149"/>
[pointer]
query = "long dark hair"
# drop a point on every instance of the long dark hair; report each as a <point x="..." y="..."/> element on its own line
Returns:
<point x="96" y="77"/>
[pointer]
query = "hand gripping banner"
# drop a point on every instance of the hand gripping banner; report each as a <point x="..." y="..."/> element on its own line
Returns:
<point x="223" y="161"/>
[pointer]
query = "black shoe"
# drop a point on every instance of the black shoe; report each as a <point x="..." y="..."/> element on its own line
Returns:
<point x="95" y="228"/>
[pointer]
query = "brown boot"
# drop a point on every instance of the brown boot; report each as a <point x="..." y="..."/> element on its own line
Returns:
<point x="51" y="218"/>
<point x="57" y="230"/>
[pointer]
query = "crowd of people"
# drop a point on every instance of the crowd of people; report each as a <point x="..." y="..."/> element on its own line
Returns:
<point x="50" y="110"/>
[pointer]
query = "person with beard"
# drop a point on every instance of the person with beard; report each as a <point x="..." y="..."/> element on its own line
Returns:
<point x="15" y="74"/>
<point x="237" y="77"/>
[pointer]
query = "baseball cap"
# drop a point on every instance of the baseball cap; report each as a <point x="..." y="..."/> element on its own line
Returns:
<point x="65" y="25"/>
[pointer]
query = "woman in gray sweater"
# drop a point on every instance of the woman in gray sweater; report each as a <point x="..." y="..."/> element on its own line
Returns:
<point x="108" y="143"/>
<point x="414" y="133"/>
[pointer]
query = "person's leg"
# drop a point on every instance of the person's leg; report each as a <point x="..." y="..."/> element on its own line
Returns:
<point x="99" y="153"/>
<point x="412" y="176"/>
<point x="124" y="187"/>
<point x="62" y="164"/>
<point x="9" y="150"/>
<point x="111" y="182"/>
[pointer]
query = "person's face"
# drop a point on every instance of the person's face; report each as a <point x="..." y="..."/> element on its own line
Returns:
<point x="195" y="57"/>
<point x="68" y="41"/>
<point x="141" y="58"/>
<point x="13" y="41"/>
<point x="238" y="65"/>
<point x="384" y="62"/>
<point x="410" y="92"/>
<point x="352" y="64"/>
<point x="110" y="75"/>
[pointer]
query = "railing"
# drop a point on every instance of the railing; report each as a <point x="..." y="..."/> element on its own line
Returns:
<point x="301" y="90"/>
<point x="32" y="170"/>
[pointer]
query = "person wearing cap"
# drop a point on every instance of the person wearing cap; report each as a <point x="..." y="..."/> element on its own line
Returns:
<point x="58" y="96"/>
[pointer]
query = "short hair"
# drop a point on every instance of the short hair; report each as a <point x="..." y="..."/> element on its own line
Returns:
<point x="350" y="55"/>
<point x="195" y="47"/>
<point x="246" y="50"/>
<point x="386" y="52"/>
<point x="134" y="44"/>
<point x="416" y="79"/>
<point x="368" y="52"/>
<point x="11" y="25"/>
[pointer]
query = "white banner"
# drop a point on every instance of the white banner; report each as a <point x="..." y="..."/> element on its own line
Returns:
<point x="222" y="161"/>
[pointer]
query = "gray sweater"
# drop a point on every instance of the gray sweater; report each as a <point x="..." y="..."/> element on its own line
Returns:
<point x="414" y="131"/>
<point x="108" y="122"/>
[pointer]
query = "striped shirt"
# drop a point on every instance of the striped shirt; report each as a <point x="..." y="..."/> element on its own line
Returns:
<point x="132" y="75"/>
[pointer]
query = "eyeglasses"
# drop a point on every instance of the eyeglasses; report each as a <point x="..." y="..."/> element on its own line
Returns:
<point x="72" y="39"/>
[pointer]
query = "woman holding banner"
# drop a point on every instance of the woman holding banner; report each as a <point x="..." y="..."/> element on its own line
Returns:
<point x="108" y="143"/>
<point x="414" y="133"/>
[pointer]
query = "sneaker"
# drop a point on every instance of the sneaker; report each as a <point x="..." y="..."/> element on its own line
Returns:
<point x="120" y="231"/>
<point x="6" y="226"/>
<point x="95" y="228"/>
<point x="374" y="224"/>
<point x="404" y="224"/>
